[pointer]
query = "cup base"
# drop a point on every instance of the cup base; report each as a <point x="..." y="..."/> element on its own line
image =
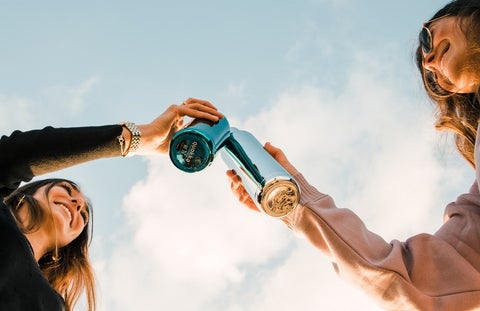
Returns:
<point x="279" y="197"/>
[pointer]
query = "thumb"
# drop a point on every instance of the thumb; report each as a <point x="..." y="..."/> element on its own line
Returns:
<point x="280" y="157"/>
<point x="275" y="152"/>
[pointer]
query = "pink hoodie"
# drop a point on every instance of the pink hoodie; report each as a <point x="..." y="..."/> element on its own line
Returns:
<point x="439" y="272"/>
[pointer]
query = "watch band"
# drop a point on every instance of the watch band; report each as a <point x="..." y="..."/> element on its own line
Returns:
<point x="136" y="137"/>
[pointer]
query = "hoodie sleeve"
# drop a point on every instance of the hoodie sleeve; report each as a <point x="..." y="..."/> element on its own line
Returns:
<point x="426" y="272"/>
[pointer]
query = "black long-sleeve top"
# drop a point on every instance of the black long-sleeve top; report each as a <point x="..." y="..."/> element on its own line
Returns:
<point x="24" y="155"/>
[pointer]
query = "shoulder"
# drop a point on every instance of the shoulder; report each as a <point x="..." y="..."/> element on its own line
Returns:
<point x="22" y="284"/>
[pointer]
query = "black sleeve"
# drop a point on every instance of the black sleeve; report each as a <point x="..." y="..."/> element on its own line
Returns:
<point x="24" y="155"/>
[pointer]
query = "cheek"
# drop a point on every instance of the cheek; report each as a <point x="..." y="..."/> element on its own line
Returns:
<point x="458" y="70"/>
<point x="465" y="78"/>
<point x="64" y="233"/>
<point x="453" y="65"/>
<point x="463" y="63"/>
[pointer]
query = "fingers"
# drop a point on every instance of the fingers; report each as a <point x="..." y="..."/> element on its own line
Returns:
<point x="239" y="190"/>
<point x="198" y="108"/>
<point x="192" y="100"/>
<point x="276" y="153"/>
<point x="280" y="157"/>
<point x="156" y="135"/>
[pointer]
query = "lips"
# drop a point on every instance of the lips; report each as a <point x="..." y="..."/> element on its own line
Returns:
<point x="67" y="212"/>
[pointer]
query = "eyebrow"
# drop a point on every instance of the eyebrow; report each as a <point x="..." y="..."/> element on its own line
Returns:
<point x="74" y="187"/>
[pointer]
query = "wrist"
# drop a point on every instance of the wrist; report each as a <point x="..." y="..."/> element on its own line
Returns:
<point x="129" y="139"/>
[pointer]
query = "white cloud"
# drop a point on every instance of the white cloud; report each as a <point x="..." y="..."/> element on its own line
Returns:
<point x="54" y="104"/>
<point x="77" y="94"/>
<point x="194" y="248"/>
<point x="15" y="113"/>
<point x="70" y="99"/>
<point x="188" y="236"/>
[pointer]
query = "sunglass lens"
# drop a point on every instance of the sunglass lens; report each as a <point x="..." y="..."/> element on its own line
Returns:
<point x="425" y="40"/>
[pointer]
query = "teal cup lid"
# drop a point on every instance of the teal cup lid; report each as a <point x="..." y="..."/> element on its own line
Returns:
<point x="191" y="151"/>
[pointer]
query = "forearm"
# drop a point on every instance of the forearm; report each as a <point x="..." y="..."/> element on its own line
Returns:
<point x="27" y="154"/>
<point x="424" y="273"/>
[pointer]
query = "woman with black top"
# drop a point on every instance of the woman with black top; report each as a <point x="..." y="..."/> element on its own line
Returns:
<point x="44" y="225"/>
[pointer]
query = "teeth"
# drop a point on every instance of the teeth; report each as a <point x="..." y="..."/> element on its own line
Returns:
<point x="67" y="210"/>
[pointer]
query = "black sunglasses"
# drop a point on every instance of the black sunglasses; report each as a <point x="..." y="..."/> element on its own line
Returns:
<point x="425" y="36"/>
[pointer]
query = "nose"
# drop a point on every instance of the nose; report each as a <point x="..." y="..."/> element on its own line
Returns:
<point x="429" y="61"/>
<point x="79" y="202"/>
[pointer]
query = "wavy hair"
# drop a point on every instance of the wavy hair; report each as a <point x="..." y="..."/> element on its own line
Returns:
<point x="67" y="269"/>
<point x="457" y="112"/>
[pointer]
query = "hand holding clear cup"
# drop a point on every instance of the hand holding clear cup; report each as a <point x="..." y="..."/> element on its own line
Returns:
<point x="270" y="187"/>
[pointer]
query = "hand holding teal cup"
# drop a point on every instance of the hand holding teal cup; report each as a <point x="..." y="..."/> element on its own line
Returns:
<point x="194" y="147"/>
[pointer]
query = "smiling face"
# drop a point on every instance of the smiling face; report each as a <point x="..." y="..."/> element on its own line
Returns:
<point x="65" y="211"/>
<point x="450" y="59"/>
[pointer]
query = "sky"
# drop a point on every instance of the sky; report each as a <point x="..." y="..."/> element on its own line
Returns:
<point x="331" y="82"/>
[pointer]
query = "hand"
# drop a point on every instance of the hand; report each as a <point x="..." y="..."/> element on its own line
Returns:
<point x="281" y="158"/>
<point x="236" y="184"/>
<point x="156" y="135"/>
<point x="239" y="191"/>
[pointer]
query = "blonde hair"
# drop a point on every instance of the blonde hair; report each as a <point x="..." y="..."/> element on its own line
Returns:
<point x="455" y="112"/>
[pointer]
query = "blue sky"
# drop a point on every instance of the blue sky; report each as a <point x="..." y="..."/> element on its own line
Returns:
<point x="332" y="82"/>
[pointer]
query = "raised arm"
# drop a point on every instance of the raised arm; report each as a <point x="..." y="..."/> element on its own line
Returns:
<point x="24" y="155"/>
<point x="427" y="272"/>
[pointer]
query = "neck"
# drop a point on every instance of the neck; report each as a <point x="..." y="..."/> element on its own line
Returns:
<point x="39" y="244"/>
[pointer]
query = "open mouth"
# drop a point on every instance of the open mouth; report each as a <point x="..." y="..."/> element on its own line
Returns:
<point x="67" y="211"/>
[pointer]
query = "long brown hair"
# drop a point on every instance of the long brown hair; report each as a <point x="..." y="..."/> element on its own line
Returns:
<point x="67" y="269"/>
<point x="455" y="112"/>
